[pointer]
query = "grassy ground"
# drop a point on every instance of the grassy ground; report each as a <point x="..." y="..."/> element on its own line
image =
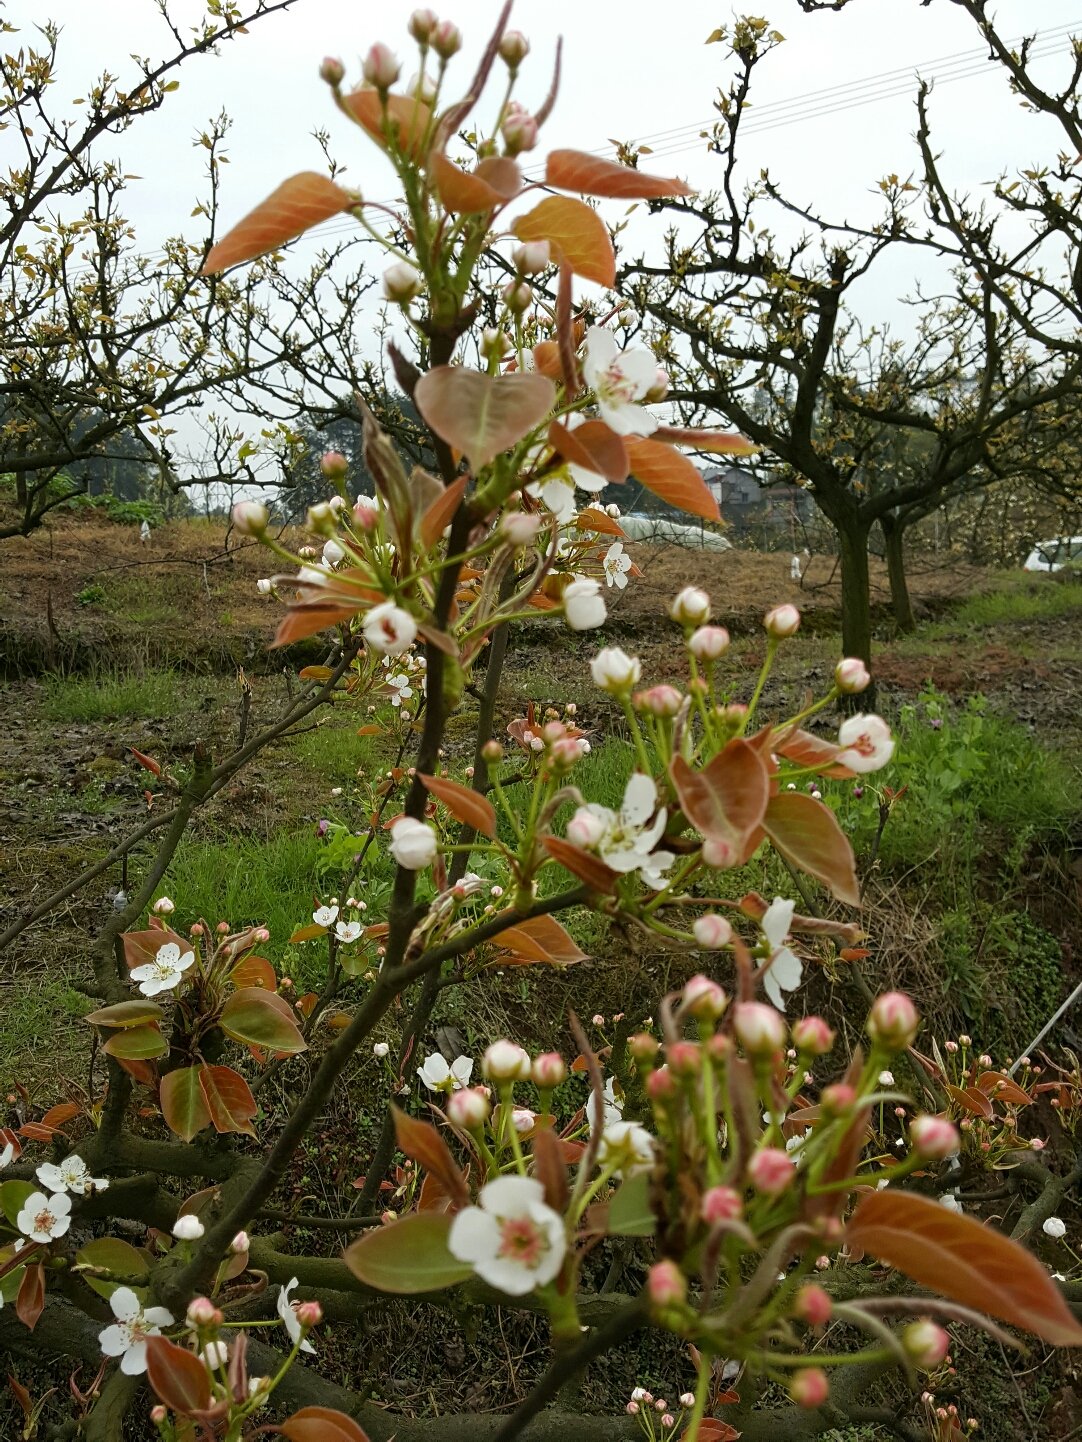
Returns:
<point x="972" y="893"/>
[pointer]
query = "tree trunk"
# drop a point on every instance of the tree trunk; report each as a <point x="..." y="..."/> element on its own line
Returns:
<point x="856" y="595"/>
<point x="894" y="547"/>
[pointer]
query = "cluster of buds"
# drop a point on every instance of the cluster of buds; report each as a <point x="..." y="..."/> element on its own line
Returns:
<point x="986" y="1102"/>
<point x="661" y="1421"/>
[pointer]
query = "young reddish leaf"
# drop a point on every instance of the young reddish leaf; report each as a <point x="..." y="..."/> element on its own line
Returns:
<point x="21" y="1395"/>
<point x="592" y="445"/>
<point x="408" y="1256"/>
<point x="463" y="802"/>
<point x="756" y="906"/>
<point x="546" y="359"/>
<point x="462" y="193"/>
<point x="592" y="518"/>
<point x="261" y="1018"/>
<point x="589" y="175"/>
<point x="59" y="1116"/>
<point x="30" y="1302"/>
<point x="727" y="799"/>
<point x="322" y="1424"/>
<point x="963" y="1259"/>
<point x="482" y="415"/>
<point x="182" y="1102"/>
<point x="807" y="833"/>
<point x="312" y="932"/>
<point x="143" y="946"/>
<point x="441" y="512"/>
<point x="711" y="1430"/>
<point x="541" y="938"/>
<point x="582" y="864"/>
<point x="424" y="1144"/>
<point x="147" y="762"/>
<point x="502" y="174"/>
<point x="577" y="234"/>
<point x="719" y="443"/>
<point x="406" y="119"/>
<point x="137" y="1043"/>
<point x="255" y="971"/>
<point x="550" y="1168"/>
<point x="178" y="1377"/>
<point x="125" y="1014"/>
<point x="807" y="749"/>
<point x="671" y="476"/>
<point x="229" y="1099"/>
<point x="299" y="203"/>
<point x="999" y="1085"/>
<point x="971" y="1100"/>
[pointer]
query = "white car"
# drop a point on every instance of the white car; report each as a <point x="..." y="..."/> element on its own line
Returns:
<point x="1054" y="555"/>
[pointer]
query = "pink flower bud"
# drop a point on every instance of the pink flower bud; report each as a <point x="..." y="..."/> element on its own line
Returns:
<point x="667" y="1419"/>
<point x="163" y="906"/>
<point x="203" y="1313"/>
<point x="721" y="1204"/>
<point x="446" y="39"/>
<point x="549" y="1069"/>
<point x="196" y="929"/>
<point x="810" y="1387"/>
<point x="771" y="1170"/>
<point x="719" y="854"/>
<point x="250" y="518"/>
<point x="262" y="934"/>
<point x="687" y="1399"/>
<point x="158" y="1415"/>
<point x="381" y="67"/>
<point x="401" y="283"/>
<point x="240" y="1243"/>
<point x="514" y="47"/>
<point x="690" y="607"/>
<point x="642" y="1046"/>
<point x="782" y="621"/>
<point x="332" y="70"/>
<point x="532" y="256"/>
<point x="759" y="1029"/>
<point x="519" y="132"/>
<point x="708" y="643"/>
<point x="704" y="998"/>
<point x="517" y="296"/>
<point x="632" y="1408"/>
<point x="837" y="1098"/>
<point x="933" y="1138"/>
<point x="222" y="928"/>
<point x="664" y="701"/>
<point x="893" y="1021"/>
<point x="661" y="1085"/>
<point x="812" y="1305"/>
<point x="684" y="1058"/>
<point x="851" y="676"/>
<point x="666" y="1285"/>
<point x="712" y="931"/>
<point x="309" y="1314"/>
<point x="506" y="1061"/>
<point x="585" y="829"/>
<point x="334" y="465"/>
<point x="421" y="25"/>
<point x="812" y="1036"/>
<point x="660" y="389"/>
<point x="926" y="1343"/>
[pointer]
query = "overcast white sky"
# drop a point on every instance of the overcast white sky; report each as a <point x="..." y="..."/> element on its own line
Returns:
<point x="631" y="71"/>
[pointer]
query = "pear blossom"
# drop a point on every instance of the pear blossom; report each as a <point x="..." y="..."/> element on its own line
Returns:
<point x="188" y="1228"/>
<point x="783" y="969"/>
<point x="325" y="915"/>
<point x="616" y="565"/>
<point x="513" y="1240"/>
<point x="165" y="971"/>
<point x="439" y="1077"/>
<point x="43" y="1218"/>
<point x="612" y="1107"/>
<point x="390" y="629"/>
<point x="347" y="932"/>
<point x="866" y="743"/>
<point x="584" y="606"/>
<point x="333" y="553"/>
<point x="402" y="691"/>
<point x="7" y="1155"/>
<point x="127" y="1337"/>
<point x="1054" y="1227"/>
<point x="401" y="283"/>
<point x="628" y="836"/>
<point x="628" y="1144"/>
<point x="287" y="1310"/>
<point x="413" y="843"/>
<point x="615" y="671"/>
<point x="619" y="381"/>
<point x="72" y="1175"/>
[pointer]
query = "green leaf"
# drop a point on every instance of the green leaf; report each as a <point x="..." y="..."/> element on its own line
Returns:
<point x="137" y="1043"/>
<point x="122" y="1264"/>
<point x="409" y="1256"/>
<point x="125" y="1014"/>
<point x="13" y="1197"/>
<point x="182" y="1102"/>
<point x="261" y="1018"/>
<point x="630" y="1214"/>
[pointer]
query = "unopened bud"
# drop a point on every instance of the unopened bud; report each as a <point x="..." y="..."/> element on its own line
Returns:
<point x="163" y="906"/>
<point x="519" y="132"/>
<point x="721" y="1204"/>
<point x="517" y="296"/>
<point x="707" y="643"/>
<point x="851" y="676"/>
<point x="469" y="1108"/>
<point x="684" y="1058"/>
<point x="532" y="256"/>
<point x="381" y="67"/>
<point x="893" y="1021"/>
<point x="782" y="621"/>
<point x="332" y="70"/>
<point x="401" y="283"/>
<point x="203" y="1313"/>
<point x="812" y="1036"/>
<point x="813" y="1305"/>
<point x="704" y="998"/>
<point x="719" y="853"/>
<point x="810" y="1387"/>
<point x="506" y="1061"/>
<point x="240" y="1244"/>
<point x="421" y="25"/>
<point x="250" y="518"/>
<point x="309" y="1314"/>
<point x="759" y="1029"/>
<point x="446" y="39"/>
<point x="514" y="47"/>
<point x="663" y="701"/>
<point x="771" y="1170"/>
<point x="926" y="1343"/>
<point x="837" y="1098"/>
<point x="666" y="1285"/>
<point x="690" y="607"/>
<point x="549" y="1069"/>
<point x="933" y="1138"/>
<point x="334" y="465"/>
<point x="712" y="931"/>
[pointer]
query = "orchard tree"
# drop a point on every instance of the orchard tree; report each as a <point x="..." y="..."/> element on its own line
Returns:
<point x="141" y="1228"/>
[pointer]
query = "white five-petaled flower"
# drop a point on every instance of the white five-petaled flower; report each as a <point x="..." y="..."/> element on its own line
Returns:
<point x="785" y="967"/>
<point x="439" y="1077"/>
<point x="628" y="1144"/>
<point x="72" y="1175"/>
<point x="390" y="629"/>
<point x="866" y="743"/>
<point x="347" y="931"/>
<point x="43" y="1218"/>
<point x="402" y="690"/>
<point x="325" y="915"/>
<point x="619" y="381"/>
<point x="287" y="1310"/>
<point x="513" y="1240"/>
<point x="165" y="971"/>
<point x="127" y="1337"/>
<point x="626" y="838"/>
<point x="617" y="563"/>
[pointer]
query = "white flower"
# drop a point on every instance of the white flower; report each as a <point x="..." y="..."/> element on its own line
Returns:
<point x="1054" y="1227"/>
<point x="628" y="836"/>
<point x="612" y="1109"/>
<point x="506" y="1061"/>
<point x="584" y="605"/>
<point x="347" y="931"/>
<point x="126" y="1338"/>
<point x="627" y="1143"/>
<point x="72" y="1175"/>
<point x="389" y="629"/>
<point x="523" y="1120"/>
<point x="413" y="843"/>
<point x="512" y="1239"/>
<point x="619" y="380"/>
<point x="287" y="1312"/>
<point x="380" y="1050"/>
<point x="188" y="1228"/>
<point x="402" y="689"/>
<point x="165" y="971"/>
<point x="401" y="283"/>
<point x="886" y="1078"/>
<point x="439" y="1077"/>
<point x="786" y="968"/>
<point x="214" y="1355"/>
<point x="43" y="1218"/>
<point x="333" y="553"/>
<point x="7" y="1155"/>
<point x="866" y="743"/>
<point x="325" y="915"/>
<point x="617" y="563"/>
<point x="950" y="1201"/>
<point x="615" y="671"/>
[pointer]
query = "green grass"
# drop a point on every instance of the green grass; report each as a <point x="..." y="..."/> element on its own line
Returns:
<point x="39" y="1021"/>
<point x="1044" y="599"/>
<point x="106" y="696"/>
<point x="337" y="751"/>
